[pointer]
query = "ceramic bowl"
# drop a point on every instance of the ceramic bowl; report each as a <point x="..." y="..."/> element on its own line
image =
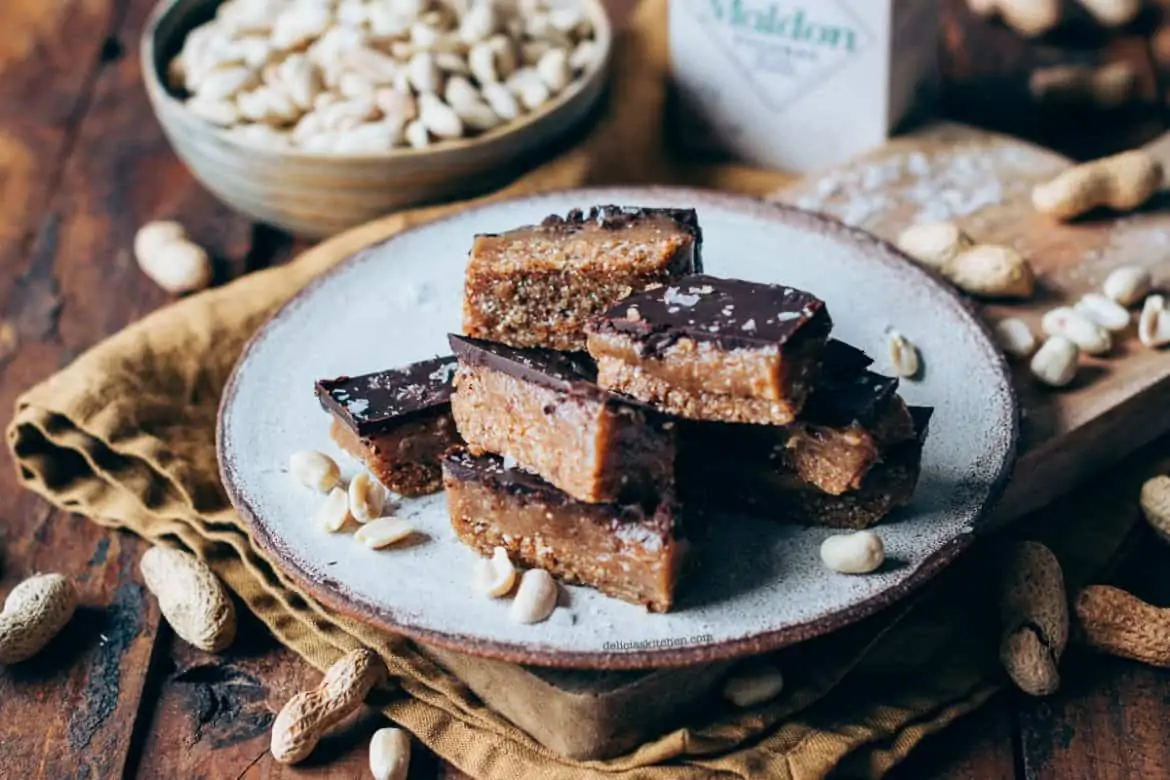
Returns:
<point x="316" y="194"/>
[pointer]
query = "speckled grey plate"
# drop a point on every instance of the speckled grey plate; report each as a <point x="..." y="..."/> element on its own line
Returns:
<point x="761" y="585"/>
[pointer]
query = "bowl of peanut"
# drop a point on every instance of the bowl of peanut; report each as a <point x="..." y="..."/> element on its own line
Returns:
<point x="318" y="115"/>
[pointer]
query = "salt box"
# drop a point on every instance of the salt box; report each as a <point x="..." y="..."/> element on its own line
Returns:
<point x="800" y="84"/>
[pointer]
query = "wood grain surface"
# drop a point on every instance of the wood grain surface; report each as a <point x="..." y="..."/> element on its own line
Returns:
<point x="82" y="164"/>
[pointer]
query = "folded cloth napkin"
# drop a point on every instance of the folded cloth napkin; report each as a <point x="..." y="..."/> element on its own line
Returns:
<point x="126" y="436"/>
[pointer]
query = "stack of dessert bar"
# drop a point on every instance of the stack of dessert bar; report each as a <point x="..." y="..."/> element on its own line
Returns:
<point x="778" y="418"/>
<point x="603" y="383"/>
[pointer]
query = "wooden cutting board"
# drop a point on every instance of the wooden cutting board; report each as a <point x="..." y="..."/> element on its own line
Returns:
<point x="984" y="181"/>
<point x="1117" y="403"/>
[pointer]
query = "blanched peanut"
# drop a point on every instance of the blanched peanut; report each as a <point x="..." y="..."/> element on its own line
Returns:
<point x="536" y="598"/>
<point x="1127" y="285"/>
<point x="367" y="497"/>
<point x="281" y="63"/>
<point x="903" y="354"/>
<point x="315" y="470"/>
<point x="857" y="553"/>
<point x="170" y="260"/>
<point x="416" y="134"/>
<point x="153" y="236"/>
<point x="390" y="754"/>
<point x="439" y="118"/>
<point x="1106" y="312"/>
<point x="494" y="576"/>
<point x="1089" y="337"/>
<point x="383" y="532"/>
<point x="178" y="267"/>
<point x="1055" y="363"/>
<point x="1015" y="337"/>
<point x="1154" y="322"/>
<point x="333" y="513"/>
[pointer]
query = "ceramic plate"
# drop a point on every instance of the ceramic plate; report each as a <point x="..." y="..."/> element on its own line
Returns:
<point x="761" y="585"/>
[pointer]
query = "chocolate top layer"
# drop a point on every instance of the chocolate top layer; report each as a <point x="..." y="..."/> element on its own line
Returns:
<point x="843" y="401"/>
<point x="607" y="240"/>
<point x="566" y="372"/>
<point x="846" y="392"/>
<point x="921" y="415"/>
<point x="843" y="360"/>
<point x="620" y="217"/>
<point x="728" y="312"/>
<point x="372" y="403"/>
<point x="492" y="471"/>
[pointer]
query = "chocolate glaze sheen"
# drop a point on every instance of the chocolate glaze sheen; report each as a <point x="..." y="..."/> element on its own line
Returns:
<point x="844" y="400"/>
<point x="372" y="403"/>
<point x="921" y="415"/>
<point x="566" y="372"/>
<point x="842" y="360"/>
<point x="620" y="217"/>
<point x="490" y="470"/>
<point x="728" y="312"/>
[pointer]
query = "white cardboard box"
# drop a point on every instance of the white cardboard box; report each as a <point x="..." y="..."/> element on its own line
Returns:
<point x="800" y="84"/>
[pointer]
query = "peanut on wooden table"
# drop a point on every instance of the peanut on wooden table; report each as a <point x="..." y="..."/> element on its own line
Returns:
<point x="307" y="716"/>
<point x="192" y="599"/>
<point x="1034" y="618"/>
<point x="34" y="612"/>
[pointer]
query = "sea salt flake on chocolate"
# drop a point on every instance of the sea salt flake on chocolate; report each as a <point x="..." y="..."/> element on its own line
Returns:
<point x="749" y="326"/>
<point x="443" y="374"/>
<point x="675" y="296"/>
<point x="785" y="316"/>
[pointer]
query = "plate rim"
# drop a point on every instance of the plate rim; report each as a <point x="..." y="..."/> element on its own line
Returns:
<point x="346" y="603"/>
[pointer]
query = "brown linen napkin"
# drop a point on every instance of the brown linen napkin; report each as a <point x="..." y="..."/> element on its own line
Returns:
<point x="125" y="436"/>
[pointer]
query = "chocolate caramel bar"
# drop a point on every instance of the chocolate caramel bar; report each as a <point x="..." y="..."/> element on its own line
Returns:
<point x="782" y="494"/>
<point x="851" y="417"/>
<point x="713" y="349"/>
<point x="537" y="286"/>
<point x="633" y="552"/>
<point x="398" y="422"/>
<point x="542" y="409"/>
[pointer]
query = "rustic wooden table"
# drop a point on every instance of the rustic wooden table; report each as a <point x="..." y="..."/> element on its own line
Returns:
<point x="83" y="163"/>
